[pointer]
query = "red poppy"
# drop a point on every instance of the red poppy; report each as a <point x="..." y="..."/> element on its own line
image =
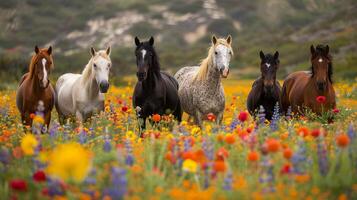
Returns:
<point x="321" y="99"/>
<point x="273" y="145"/>
<point x="253" y="156"/>
<point x="222" y="153"/>
<point x="219" y="166"/>
<point x="336" y="110"/>
<point x="230" y="139"/>
<point x="124" y="108"/>
<point x="285" y="169"/>
<point x="211" y="117"/>
<point x="18" y="184"/>
<point x="315" y="133"/>
<point x="39" y="176"/>
<point x="288" y="153"/>
<point x="342" y="140"/>
<point x="243" y="116"/>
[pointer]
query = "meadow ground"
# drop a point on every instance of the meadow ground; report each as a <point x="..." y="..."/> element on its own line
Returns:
<point x="299" y="158"/>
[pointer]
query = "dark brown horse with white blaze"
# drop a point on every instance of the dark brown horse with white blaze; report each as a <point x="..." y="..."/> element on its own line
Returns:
<point x="35" y="86"/>
<point x="301" y="89"/>
<point x="266" y="89"/>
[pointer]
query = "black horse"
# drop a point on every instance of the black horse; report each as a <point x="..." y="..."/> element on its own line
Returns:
<point x="155" y="92"/>
<point x="266" y="89"/>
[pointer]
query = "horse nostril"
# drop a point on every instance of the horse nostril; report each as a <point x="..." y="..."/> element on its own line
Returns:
<point x="321" y="85"/>
<point x="104" y="85"/>
<point x="141" y="75"/>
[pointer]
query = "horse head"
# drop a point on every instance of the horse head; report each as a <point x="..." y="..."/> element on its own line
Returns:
<point x="269" y="66"/>
<point x="321" y="62"/>
<point x="146" y="58"/>
<point x="41" y="66"/>
<point x="222" y="54"/>
<point x="101" y="65"/>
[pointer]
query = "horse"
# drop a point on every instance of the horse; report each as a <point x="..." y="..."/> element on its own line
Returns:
<point x="266" y="90"/>
<point x="156" y="91"/>
<point x="82" y="95"/>
<point x="301" y="89"/>
<point x="200" y="88"/>
<point x="35" y="87"/>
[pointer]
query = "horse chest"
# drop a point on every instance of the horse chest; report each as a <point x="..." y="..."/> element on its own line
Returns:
<point x="210" y="101"/>
<point x="89" y="107"/>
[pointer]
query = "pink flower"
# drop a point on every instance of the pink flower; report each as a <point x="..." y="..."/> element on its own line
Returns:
<point x="336" y="110"/>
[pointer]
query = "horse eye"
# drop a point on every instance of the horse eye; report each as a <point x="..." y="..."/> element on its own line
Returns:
<point x="230" y="53"/>
<point x="95" y="66"/>
<point x="109" y="65"/>
<point x="216" y="52"/>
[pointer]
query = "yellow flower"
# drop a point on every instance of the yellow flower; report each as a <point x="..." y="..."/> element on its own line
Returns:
<point x="38" y="119"/>
<point x="189" y="166"/>
<point x="28" y="144"/>
<point x="69" y="161"/>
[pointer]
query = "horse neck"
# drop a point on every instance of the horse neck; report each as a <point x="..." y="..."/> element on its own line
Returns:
<point x="213" y="77"/>
<point x="89" y="82"/>
<point x="35" y="84"/>
<point x="150" y="82"/>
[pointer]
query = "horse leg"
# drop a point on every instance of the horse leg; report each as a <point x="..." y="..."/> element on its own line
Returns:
<point x="178" y="113"/>
<point x="219" y="118"/>
<point x="48" y="120"/>
<point x="142" y="125"/>
<point x="198" y="118"/>
<point x="79" y="117"/>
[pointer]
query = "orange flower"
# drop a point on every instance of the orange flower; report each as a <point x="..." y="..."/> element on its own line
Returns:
<point x="211" y="117"/>
<point x="287" y="153"/>
<point x="32" y="115"/>
<point x="253" y="156"/>
<point x="303" y="131"/>
<point x="342" y="140"/>
<point x="222" y="153"/>
<point x="170" y="157"/>
<point x="156" y="117"/>
<point x="220" y="137"/>
<point x="273" y="145"/>
<point x="219" y="166"/>
<point x="230" y="139"/>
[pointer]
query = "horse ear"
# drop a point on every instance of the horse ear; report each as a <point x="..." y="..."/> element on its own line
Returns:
<point x="108" y="51"/>
<point x="312" y="49"/>
<point x="37" y="50"/>
<point x="214" y="39"/>
<point x="92" y="51"/>
<point x="151" y="41"/>
<point x="262" y="56"/>
<point x="49" y="50"/>
<point x="276" y="55"/>
<point x="137" y="41"/>
<point x="229" y="39"/>
<point x="327" y="49"/>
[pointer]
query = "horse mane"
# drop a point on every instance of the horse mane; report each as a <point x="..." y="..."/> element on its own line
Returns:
<point x="207" y="62"/>
<point x="87" y="71"/>
<point x="155" y="65"/>
<point x="35" y="58"/>
<point x="320" y="51"/>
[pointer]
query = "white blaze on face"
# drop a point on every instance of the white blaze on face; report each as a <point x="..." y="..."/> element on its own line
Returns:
<point x="320" y="60"/>
<point x="44" y="80"/>
<point x="143" y="53"/>
<point x="222" y="59"/>
<point x="267" y="64"/>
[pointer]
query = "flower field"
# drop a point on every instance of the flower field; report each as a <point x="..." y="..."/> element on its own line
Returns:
<point x="305" y="157"/>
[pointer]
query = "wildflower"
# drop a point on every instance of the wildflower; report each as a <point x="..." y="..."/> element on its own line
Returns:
<point x="342" y="140"/>
<point x="189" y="166"/>
<point x="253" y="156"/>
<point x="170" y="157"/>
<point x="39" y="176"/>
<point x="227" y="185"/>
<point x="303" y="131"/>
<point x="219" y="166"/>
<point x="243" y="116"/>
<point x="18" y="185"/>
<point x="222" y="153"/>
<point x="124" y="108"/>
<point x="322" y="158"/>
<point x="273" y="145"/>
<point x="69" y="162"/>
<point x="211" y="117"/>
<point x="28" y="144"/>
<point x="156" y="117"/>
<point x="230" y="139"/>
<point x="321" y="99"/>
<point x="285" y="169"/>
<point x="336" y="110"/>
<point x="315" y="133"/>
<point x="288" y="153"/>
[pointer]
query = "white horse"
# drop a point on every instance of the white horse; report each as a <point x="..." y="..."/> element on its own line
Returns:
<point x="200" y="88"/>
<point x="81" y="95"/>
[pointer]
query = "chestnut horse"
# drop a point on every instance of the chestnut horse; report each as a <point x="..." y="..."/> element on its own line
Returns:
<point x="35" y="86"/>
<point x="301" y="89"/>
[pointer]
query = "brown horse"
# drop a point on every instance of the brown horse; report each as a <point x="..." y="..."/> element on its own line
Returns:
<point x="35" y="86"/>
<point x="301" y="89"/>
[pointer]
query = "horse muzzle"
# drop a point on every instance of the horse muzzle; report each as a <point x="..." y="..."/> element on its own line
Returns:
<point x="224" y="72"/>
<point x="321" y="85"/>
<point x="103" y="86"/>
<point x="141" y="76"/>
<point x="44" y="84"/>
